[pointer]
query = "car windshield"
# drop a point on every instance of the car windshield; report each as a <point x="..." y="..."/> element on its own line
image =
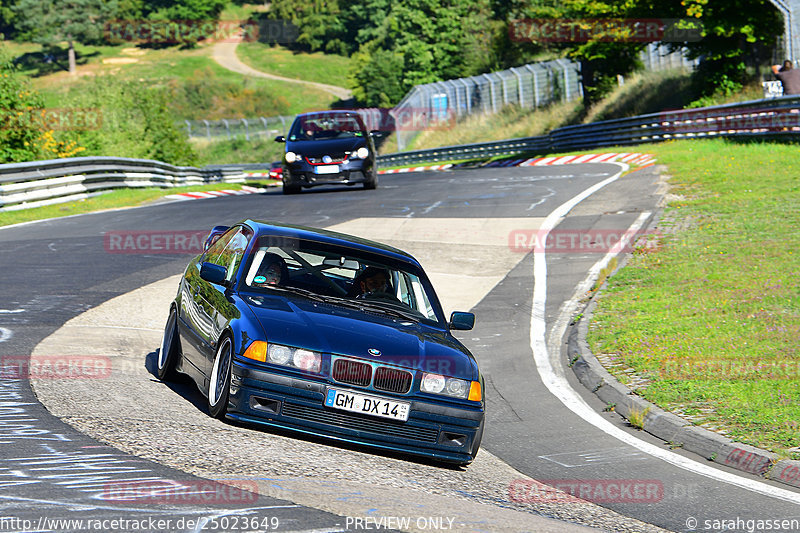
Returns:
<point x="342" y="276"/>
<point x="326" y="126"/>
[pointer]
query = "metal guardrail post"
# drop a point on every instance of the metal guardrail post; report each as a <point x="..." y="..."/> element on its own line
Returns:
<point x="467" y="96"/>
<point x="521" y="98"/>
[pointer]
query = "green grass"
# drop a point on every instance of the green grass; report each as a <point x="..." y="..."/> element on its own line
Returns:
<point x="318" y="67"/>
<point x="165" y="66"/>
<point x="711" y="315"/>
<point x="237" y="150"/>
<point x="112" y="200"/>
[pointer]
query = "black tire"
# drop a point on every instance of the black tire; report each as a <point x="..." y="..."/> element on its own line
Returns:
<point x="170" y="350"/>
<point x="373" y="182"/>
<point x="219" y="384"/>
<point x="290" y="186"/>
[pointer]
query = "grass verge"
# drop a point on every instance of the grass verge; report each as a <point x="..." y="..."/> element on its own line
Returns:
<point x="112" y="200"/>
<point x="317" y="67"/>
<point x="710" y="317"/>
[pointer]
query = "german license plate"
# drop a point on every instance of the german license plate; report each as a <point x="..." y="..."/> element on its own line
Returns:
<point x="326" y="169"/>
<point x="365" y="404"/>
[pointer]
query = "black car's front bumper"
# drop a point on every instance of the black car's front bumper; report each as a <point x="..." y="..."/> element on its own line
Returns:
<point x="350" y="172"/>
<point x="433" y="430"/>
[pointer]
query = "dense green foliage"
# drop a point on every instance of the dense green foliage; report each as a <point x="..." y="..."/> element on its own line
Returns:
<point x="18" y="136"/>
<point x="136" y="121"/>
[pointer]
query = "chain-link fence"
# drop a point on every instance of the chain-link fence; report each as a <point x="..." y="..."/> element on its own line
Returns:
<point x="246" y="128"/>
<point x="429" y="105"/>
<point x="530" y="86"/>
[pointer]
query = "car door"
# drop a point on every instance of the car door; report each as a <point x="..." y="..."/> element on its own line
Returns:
<point x="193" y="319"/>
<point x="214" y="304"/>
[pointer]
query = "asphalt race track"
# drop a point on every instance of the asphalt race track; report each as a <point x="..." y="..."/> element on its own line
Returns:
<point x="101" y="443"/>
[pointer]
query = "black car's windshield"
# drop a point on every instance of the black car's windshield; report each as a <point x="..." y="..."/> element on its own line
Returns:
<point x="341" y="275"/>
<point x="326" y="126"/>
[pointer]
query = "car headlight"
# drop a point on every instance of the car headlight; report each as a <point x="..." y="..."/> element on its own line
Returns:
<point x="362" y="153"/>
<point x="453" y="387"/>
<point x="278" y="354"/>
<point x="291" y="157"/>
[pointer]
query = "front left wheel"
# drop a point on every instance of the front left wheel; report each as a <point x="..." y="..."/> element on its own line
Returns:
<point x="170" y="350"/>
<point x="373" y="181"/>
<point x="219" y="385"/>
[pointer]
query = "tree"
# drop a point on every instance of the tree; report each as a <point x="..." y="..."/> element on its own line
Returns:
<point x="427" y="41"/>
<point x="738" y="37"/>
<point x="376" y="77"/>
<point x="604" y="50"/>
<point x="50" y="22"/>
<point x="24" y="130"/>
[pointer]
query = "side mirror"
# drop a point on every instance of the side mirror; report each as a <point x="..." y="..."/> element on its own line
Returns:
<point x="213" y="273"/>
<point x="463" y="321"/>
<point x="214" y="235"/>
<point x="280" y="139"/>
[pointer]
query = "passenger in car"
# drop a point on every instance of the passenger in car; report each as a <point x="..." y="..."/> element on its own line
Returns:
<point x="273" y="269"/>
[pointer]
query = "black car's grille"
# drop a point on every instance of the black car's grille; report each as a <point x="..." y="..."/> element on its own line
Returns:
<point x="392" y="380"/>
<point x="360" y="423"/>
<point x="352" y="372"/>
<point x="335" y="158"/>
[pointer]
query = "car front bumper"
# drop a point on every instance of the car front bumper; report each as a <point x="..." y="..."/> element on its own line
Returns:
<point x="432" y="430"/>
<point x="351" y="172"/>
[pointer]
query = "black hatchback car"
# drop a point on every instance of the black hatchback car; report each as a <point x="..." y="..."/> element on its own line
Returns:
<point x="328" y="148"/>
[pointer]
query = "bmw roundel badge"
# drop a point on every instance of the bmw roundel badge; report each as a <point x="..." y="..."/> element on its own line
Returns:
<point x="375" y="352"/>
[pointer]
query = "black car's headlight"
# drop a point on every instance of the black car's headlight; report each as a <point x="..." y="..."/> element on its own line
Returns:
<point x="453" y="387"/>
<point x="291" y="157"/>
<point x="278" y="354"/>
<point x="361" y="153"/>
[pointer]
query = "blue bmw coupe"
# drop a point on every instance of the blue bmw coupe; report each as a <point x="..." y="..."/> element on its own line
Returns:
<point x="325" y="334"/>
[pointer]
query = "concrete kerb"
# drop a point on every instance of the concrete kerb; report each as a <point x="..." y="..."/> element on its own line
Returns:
<point x="668" y="427"/>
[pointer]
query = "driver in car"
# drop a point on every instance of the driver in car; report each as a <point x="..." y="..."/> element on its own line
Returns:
<point x="373" y="281"/>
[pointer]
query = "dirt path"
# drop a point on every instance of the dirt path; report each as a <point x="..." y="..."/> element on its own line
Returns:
<point x="224" y="53"/>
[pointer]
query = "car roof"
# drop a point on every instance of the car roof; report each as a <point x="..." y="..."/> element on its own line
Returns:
<point x="262" y="227"/>
<point x="330" y="112"/>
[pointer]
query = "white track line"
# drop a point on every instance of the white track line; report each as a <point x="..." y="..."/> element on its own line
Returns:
<point x="552" y="373"/>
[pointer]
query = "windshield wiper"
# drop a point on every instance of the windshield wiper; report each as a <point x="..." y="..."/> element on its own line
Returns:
<point x="375" y="306"/>
<point x="294" y="290"/>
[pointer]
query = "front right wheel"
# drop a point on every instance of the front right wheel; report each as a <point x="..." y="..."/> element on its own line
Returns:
<point x="219" y="385"/>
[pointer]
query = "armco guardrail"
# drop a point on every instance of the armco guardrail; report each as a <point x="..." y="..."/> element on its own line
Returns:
<point x="24" y="185"/>
<point x="773" y="117"/>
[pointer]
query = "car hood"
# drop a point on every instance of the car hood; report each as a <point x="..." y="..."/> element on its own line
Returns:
<point x="337" y="330"/>
<point x="326" y="147"/>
